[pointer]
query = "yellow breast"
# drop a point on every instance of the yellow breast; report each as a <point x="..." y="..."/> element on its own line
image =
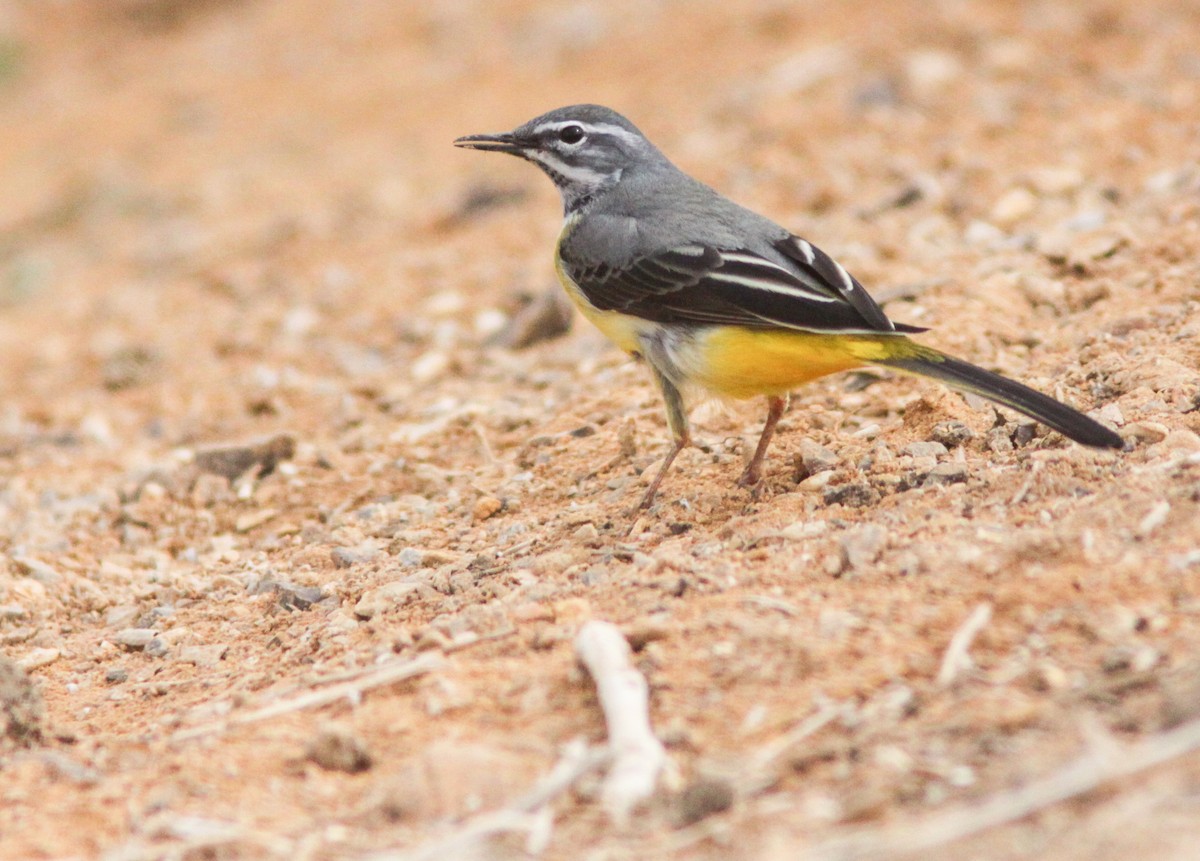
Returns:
<point x="624" y="330"/>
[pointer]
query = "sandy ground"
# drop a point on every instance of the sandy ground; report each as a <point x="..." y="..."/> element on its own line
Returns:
<point x="294" y="551"/>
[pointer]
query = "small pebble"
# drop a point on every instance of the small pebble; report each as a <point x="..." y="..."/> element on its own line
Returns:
<point x="586" y="533"/>
<point x="946" y="473"/>
<point x="999" y="441"/>
<point x="347" y="557"/>
<point x="862" y="546"/>
<point x="855" y="494"/>
<point x="925" y="449"/>
<point x="701" y="799"/>
<point x="234" y="461"/>
<point x="386" y="597"/>
<point x="289" y="595"/>
<point x="645" y="631"/>
<point x="486" y="506"/>
<point x="135" y="639"/>
<point x="1147" y="432"/>
<point x="116" y="675"/>
<point x="410" y="557"/>
<point x="39" y="571"/>
<point x="813" y="458"/>
<point x="1014" y="206"/>
<point x="337" y="748"/>
<point x="951" y="433"/>
<point x="246" y="522"/>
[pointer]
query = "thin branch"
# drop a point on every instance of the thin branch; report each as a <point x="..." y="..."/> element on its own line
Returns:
<point x="956" y="658"/>
<point x="638" y="756"/>
<point x="381" y="676"/>
<point x="1103" y="764"/>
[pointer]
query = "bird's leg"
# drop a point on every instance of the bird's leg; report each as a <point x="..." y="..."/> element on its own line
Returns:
<point x="677" y="421"/>
<point x="775" y="407"/>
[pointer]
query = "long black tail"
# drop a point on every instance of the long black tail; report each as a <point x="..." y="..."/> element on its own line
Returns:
<point x="967" y="377"/>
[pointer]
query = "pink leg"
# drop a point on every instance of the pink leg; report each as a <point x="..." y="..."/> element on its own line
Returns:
<point x="753" y="474"/>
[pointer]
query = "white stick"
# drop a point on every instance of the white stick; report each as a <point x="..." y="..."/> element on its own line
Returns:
<point x="638" y="756"/>
<point x="377" y="677"/>
<point x="927" y="836"/>
<point x="956" y="658"/>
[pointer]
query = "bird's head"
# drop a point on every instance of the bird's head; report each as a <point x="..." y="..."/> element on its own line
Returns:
<point x="584" y="149"/>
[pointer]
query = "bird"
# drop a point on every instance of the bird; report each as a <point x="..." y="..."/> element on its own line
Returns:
<point x="715" y="297"/>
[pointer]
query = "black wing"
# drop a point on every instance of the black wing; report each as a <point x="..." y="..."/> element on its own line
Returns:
<point x="704" y="285"/>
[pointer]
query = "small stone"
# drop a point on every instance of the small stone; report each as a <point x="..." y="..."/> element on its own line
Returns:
<point x="410" y="557"/>
<point x="816" y="482"/>
<point x="862" y="546"/>
<point x="232" y="462"/>
<point x="116" y="675"/>
<point x="206" y="657"/>
<point x="925" y="449"/>
<point x="999" y="441"/>
<point x="347" y="557"/>
<point x="946" y="473"/>
<point x="646" y="631"/>
<point x="929" y="71"/>
<point x="387" y="597"/>
<point x="1051" y="181"/>
<point x="135" y="639"/>
<point x="1147" y="432"/>
<point x="38" y="570"/>
<point x="485" y="507"/>
<point x="855" y="494"/>
<point x="701" y="799"/>
<point x="248" y="521"/>
<point x="813" y="459"/>
<point x="157" y="648"/>
<point x="1118" y="659"/>
<point x="429" y="366"/>
<point x="1050" y="677"/>
<point x="587" y="533"/>
<point x="951" y="433"/>
<point x="337" y="748"/>
<point x="39" y="657"/>
<point x="533" y="612"/>
<point x="289" y="595"/>
<point x="430" y="639"/>
<point x="1181" y="439"/>
<point x="627" y="439"/>
<point x="1014" y="206"/>
<point x="341" y="622"/>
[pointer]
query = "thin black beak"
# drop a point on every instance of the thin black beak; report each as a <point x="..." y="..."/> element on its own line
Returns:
<point x="491" y="143"/>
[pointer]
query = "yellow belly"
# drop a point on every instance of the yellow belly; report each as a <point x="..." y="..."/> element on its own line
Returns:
<point x="740" y="363"/>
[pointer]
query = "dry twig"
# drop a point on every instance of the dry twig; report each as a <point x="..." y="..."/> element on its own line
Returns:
<point x="638" y="756"/>
<point x="1103" y="763"/>
<point x="381" y="676"/>
<point x="956" y="658"/>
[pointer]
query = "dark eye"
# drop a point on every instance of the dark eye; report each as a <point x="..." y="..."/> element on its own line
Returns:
<point x="570" y="134"/>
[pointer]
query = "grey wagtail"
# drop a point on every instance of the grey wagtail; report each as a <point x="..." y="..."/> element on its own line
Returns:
<point x="714" y="296"/>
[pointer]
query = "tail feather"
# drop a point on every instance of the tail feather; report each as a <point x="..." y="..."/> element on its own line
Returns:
<point x="964" y="376"/>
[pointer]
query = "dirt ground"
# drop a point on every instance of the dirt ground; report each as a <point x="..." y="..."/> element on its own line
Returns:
<point x="295" y="546"/>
